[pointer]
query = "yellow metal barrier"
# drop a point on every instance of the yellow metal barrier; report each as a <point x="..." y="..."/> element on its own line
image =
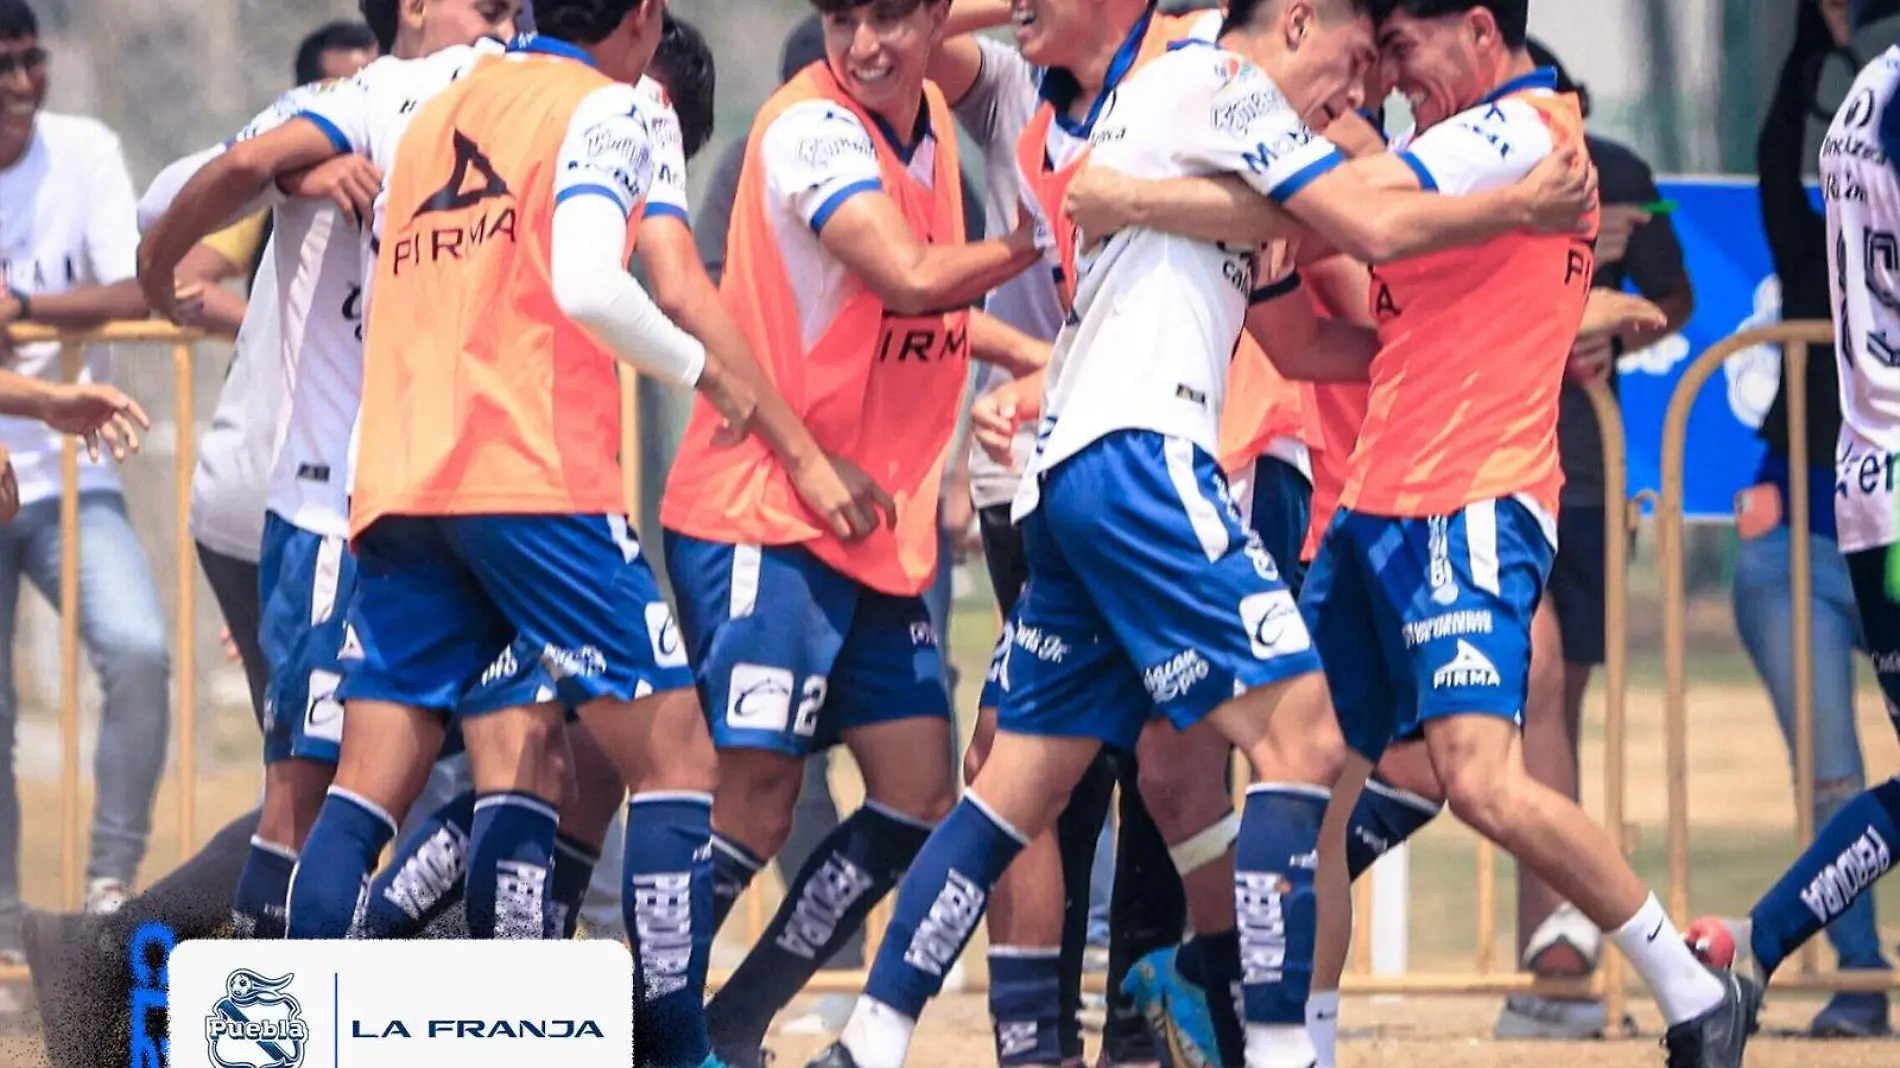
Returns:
<point x="1795" y="338"/>
<point x="1620" y="517"/>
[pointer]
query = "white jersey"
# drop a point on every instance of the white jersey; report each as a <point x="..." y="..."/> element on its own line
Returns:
<point x="1156" y="315"/>
<point x="1863" y="223"/>
<point x="232" y="480"/>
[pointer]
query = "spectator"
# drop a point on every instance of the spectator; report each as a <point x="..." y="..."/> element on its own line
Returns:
<point x="1554" y="939"/>
<point x="336" y="50"/>
<point x="1763" y="594"/>
<point x="68" y="240"/>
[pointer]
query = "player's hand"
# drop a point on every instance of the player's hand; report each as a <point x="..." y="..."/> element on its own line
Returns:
<point x="1591" y="360"/>
<point x="188" y="305"/>
<point x="843" y="497"/>
<point x="1561" y="192"/>
<point x="157" y="284"/>
<point x="1610" y="312"/>
<point x="1098" y="203"/>
<point x="9" y="488"/>
<point x="733" y="398"/>
<point x="97" y="413"/>
<point x="350" y="182"/>
<point x="994" y="421"/>
<point x="1617" y="223"/>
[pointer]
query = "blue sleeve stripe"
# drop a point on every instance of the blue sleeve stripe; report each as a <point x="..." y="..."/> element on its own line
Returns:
<point x="836" y="200"/>
<point x="592" y="189"/>
<point x="1425" y="179"/>
<point x="337" y="140"/>
<point x="1305" y="176"/>
<point x="1275" y="290"/>
<point x="670" y="210"/>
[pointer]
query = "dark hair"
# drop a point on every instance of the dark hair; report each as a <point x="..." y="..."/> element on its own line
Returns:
<point x="382" y="20"/>
<point x="803" y="46"/>
<point x="582" y="22"/>
<point x="1544" y="57"/>
<point x="17" y="21"/>
<point x="336" y="37"/>
<point x="1242" y="13"/>
<point x="1513" y="16"/>
<point x="831" y="7"/>
<point x="684" y="64"/>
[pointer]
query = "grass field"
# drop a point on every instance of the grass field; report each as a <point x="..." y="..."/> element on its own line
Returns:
<point x="1743" y="835"/>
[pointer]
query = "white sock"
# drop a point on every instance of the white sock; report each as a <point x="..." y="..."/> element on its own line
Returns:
<point x="1278" y="1046"/>
<point x="1322" y="1026"/>
<point x="877" y="1035"/>
<point x="1683" y="988"/>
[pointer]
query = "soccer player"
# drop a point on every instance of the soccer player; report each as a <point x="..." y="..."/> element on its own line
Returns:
<point x="1862" y="196"/>
<point x="308" y="572"/>
<point x="1443" y="555"/>
<point x="1141" y="573"/>
<point x="844" y="268"/>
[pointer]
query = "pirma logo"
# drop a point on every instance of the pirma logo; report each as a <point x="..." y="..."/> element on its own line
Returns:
<point x="257" y="1024"/>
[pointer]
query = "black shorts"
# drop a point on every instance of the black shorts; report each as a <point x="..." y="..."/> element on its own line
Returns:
<point x="1879" y="622"/>
<point x="1003" y="555"/>
<point x="1576" y="583"/>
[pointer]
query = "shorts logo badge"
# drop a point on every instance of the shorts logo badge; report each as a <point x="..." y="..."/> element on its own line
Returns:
<point x="1444" y="582"/>
<point x="759" y="698"/>
<point x="1468" y="668"/>
<point x="664" y="632"/>
<point x="257" y="1024"/>
<point x="1274" y="626"/>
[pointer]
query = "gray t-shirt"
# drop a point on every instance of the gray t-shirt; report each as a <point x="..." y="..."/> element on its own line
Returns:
<point x="994" y="112"/>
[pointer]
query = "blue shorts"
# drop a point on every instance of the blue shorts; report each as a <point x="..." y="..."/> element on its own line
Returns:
<point x="466" y="615"/>
<point x="1147" y="596"/>
<point x="789" y="653"/>
<point x="1420" y="618"/>
<point x="305" y="582"/>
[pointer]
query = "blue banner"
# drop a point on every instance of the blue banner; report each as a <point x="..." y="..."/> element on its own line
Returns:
<point x="1719" y="223"/>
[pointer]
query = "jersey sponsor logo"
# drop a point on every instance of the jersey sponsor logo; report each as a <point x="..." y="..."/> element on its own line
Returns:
<point x="257" y="1024"/>
<point x="618" y="150"/>
<point x="472" y="185"/>
<point x="1237" y="116"/>
<point x="827" y="898"/>
<point x="952" y="918"/>
<point x="1176" y="676"/>
<point x="1468" y="667"/>
<point x="323" y="713"/>
<point x="585" y="662"/>
<point x="846" y="139"/>
<point x="759" y="698"/>
<point x="923" y="635"/>
<point x="663" y="921"/>
<point x="668" y="649"/>
<point x="1447" y="625"/>
<point x="1274" y="625"/>
<point x="904" y="339"/>
<point x="1044" y="646"/>
<point x="1260" y="909"/>
<point x="1863" y="862"/>
<point x="1439" y="573"/>
<point x="1263" y="155"/>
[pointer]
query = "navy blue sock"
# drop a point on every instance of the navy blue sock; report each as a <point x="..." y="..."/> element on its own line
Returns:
<point x="573" y="871"/>
<point x="261" y="907"/>
<point x="1026" y="1005"/>
<point x="734" y="867"/>
<point x="939" y="904"/>
<point x="1383" y="818"/>
<point x="668" y="903"/>
<point x="1212" y="962"/>
<point x="331" y="880"/>
<point x="1847" y="856"/>
<point x="848" y="873"/>
<point x="1273" y="900"/>
<point x="425" y="877"/>
<point x="510" y="855"/>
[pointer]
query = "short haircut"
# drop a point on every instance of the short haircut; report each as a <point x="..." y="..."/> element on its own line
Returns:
<point x="382" y="20"/>
<point x="581" y="22"/>
<point x="338" y="36"/>
<point x="1243" y="13"/>
<point x="684" y="64"/>
<point x="832" y="7"/>
<point x="1513" y="16"/>
<point x="17" y="21"/>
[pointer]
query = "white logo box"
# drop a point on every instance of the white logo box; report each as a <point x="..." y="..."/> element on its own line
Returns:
<point x="407" y="1004"/>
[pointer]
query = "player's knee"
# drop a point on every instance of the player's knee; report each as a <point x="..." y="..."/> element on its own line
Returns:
<point x="1481" y="798"/>
<point x="973" y="758"/>
<point x="756" y="796"/>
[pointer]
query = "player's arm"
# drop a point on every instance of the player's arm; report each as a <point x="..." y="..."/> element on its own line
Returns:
<point x="957" y="63"/>
<point x="1303" y="346"/>
<point x="94" y="411"/>
<point x="1341" y="283"/>
<point x="996" y="415"/>
<point x="869" y="235"/>
<point x="216" y="310"/>
<point x="994" y="341"/>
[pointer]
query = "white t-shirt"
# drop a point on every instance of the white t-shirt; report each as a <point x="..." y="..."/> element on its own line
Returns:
<point x="68" y="220"/>
<point x="994" y="112"/>
<point x="666" y="195"/>
<point x="232" y="480"/>
<point x="1157" y="315"/>
<point x="816" y="156"/>
<point x="1862" y="198"/>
